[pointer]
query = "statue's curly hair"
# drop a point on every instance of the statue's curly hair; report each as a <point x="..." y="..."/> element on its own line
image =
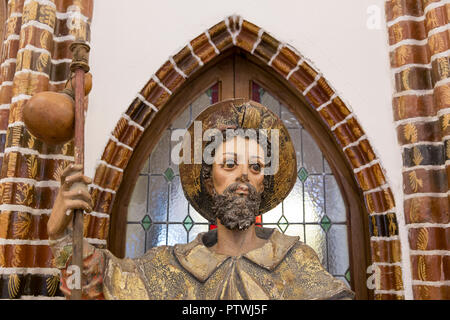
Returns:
<point x="207" y="187"/>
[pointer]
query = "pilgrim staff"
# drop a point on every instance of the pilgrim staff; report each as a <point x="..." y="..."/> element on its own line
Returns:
<point x="57" y="117"/>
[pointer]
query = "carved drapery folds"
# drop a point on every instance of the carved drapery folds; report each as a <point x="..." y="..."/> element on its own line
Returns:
<point x="419" y="51"/>
<point x="35" y="57"/>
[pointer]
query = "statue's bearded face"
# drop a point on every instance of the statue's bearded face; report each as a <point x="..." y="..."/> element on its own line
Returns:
<point x="238" y="181"/>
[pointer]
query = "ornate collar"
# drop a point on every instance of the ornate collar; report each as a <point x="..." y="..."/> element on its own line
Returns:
<point x="202" y="262"/>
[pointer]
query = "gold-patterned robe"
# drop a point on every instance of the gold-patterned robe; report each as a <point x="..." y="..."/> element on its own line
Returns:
<point x="283" y="268"/>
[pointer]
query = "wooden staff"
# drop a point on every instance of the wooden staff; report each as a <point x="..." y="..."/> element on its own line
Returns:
<point x="79" y="67"/>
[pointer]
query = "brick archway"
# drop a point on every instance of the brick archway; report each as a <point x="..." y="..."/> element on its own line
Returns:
<point x="300" y="73"/>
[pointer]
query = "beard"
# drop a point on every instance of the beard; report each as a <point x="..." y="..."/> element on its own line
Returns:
<point x="237" y="212"/>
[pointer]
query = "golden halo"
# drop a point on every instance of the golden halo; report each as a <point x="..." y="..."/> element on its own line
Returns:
<point x="239" y="114"/>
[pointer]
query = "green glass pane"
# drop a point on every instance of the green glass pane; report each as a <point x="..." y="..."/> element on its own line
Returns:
<point x="283" y="224"/>
<point x="303" y="174"/>
<point x="348" y="276"/>
<point x="188" y="223"/>
<point x="325" y="223"/>
<point x="169" y="174"/>
<point x="146" y="222"/>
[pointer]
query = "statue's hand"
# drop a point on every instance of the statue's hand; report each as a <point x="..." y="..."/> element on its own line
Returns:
<point x="73" y="194"/>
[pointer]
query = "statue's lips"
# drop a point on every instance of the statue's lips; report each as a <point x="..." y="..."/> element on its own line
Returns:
<point x="242" y="190"/>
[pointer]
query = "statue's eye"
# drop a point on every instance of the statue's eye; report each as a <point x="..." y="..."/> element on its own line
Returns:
<point x="230" y="164"/>
<point x="256" y="167"/>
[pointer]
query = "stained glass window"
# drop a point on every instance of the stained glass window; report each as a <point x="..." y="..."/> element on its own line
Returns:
<point x="159" y="213"/>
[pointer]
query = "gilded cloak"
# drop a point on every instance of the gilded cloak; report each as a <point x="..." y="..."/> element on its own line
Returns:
<point x="283" y="268"/>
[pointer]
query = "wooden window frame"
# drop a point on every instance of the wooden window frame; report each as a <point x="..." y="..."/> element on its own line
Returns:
<point x="251" y="69"/>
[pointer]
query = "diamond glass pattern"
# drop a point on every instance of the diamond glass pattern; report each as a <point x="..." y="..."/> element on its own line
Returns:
<point x="169" y="174"/>
<point x="283" y="224"/>
<point x="348" y="276"/>
<point x="146" y="222"/>
<point x="188" y="223"/>
<point x="303" y="174"/>
<point x="325" y="223"/>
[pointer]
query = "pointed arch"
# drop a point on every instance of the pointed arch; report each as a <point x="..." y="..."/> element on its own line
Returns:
<point x="301" y="76"/>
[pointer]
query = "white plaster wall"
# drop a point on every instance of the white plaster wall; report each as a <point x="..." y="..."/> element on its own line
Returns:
<point x="132" y="39"/>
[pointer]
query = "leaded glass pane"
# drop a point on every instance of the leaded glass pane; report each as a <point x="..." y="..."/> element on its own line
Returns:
<point x="159" y="158"/>
<point x="316" y="238"/>
<point x="158" y="198"/>
<point x="178" y="204"/>
<point x="199" y="105"/>
<point x="296" y="137"/>
<point x="314" y="199"/>
<point x="337" y="245"/>
<point x="273" y="215"/>
<point x="312" y="156"/>
<point x="156" y="236"/>
<point x="335" y="206"/>
<point x="177" y="234"/>
<point x="293" y="204"/>
<point x="138" y="204"/>
<point x="135" y="245"/>
<point x="289" y="120"/>
<point x="196" y="229"/>
<point x="197" y="217"/>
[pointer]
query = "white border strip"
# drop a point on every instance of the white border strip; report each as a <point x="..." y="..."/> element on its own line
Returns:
<point x="377" y="189"/>
<point x="334" y="96"/>
<point x="430" y="252"/>
<point x="200" y="62"/>
<point x="368" y="165"/>
<point x="316" y="79"/>
<point x="20" y="242"/>
<point x="427" y="225"/>
<point x="353" y="144"/>
<point x="426" y="194"/>
<point x="95" y="186"/>
<point x="434" y="5"/>
<point x="411" y="65"/>
<point x="147" y="103"/>
<point x="405" y="18"/>
<point x="155" y="78"/>
<point x="180" y="72"/>
<point x="211" y="43"/>
<point x="280" y="47"/>
<point x="39" y="25"/>
<point x="30" y="47"/>
<point x="431" y="283"/>
<point x="411" y="42"/>
<point x="41" y="2"/>
<point x="96" y="241"/>
<point x="99" y="214"/>
<point x="399" y="293"/>
<point x="23" y="297"/>
<point x="423" y="143"/>
<point x="38" y="184"/>
<point x="41" y="271"/>
<point x="26" y="151"/>
<point x="131" y="122"/>
<point x="424" y="167"/>
<point x="19" y="208"/>
<point x="391" y="238"/>
<point x="337" y="125"/>
<point x="103" y="162"/>
<point x="258" y="40"/>
<point x="113" y="138"/>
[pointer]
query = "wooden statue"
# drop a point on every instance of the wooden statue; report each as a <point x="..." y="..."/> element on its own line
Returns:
<point x="235" y="261"/>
